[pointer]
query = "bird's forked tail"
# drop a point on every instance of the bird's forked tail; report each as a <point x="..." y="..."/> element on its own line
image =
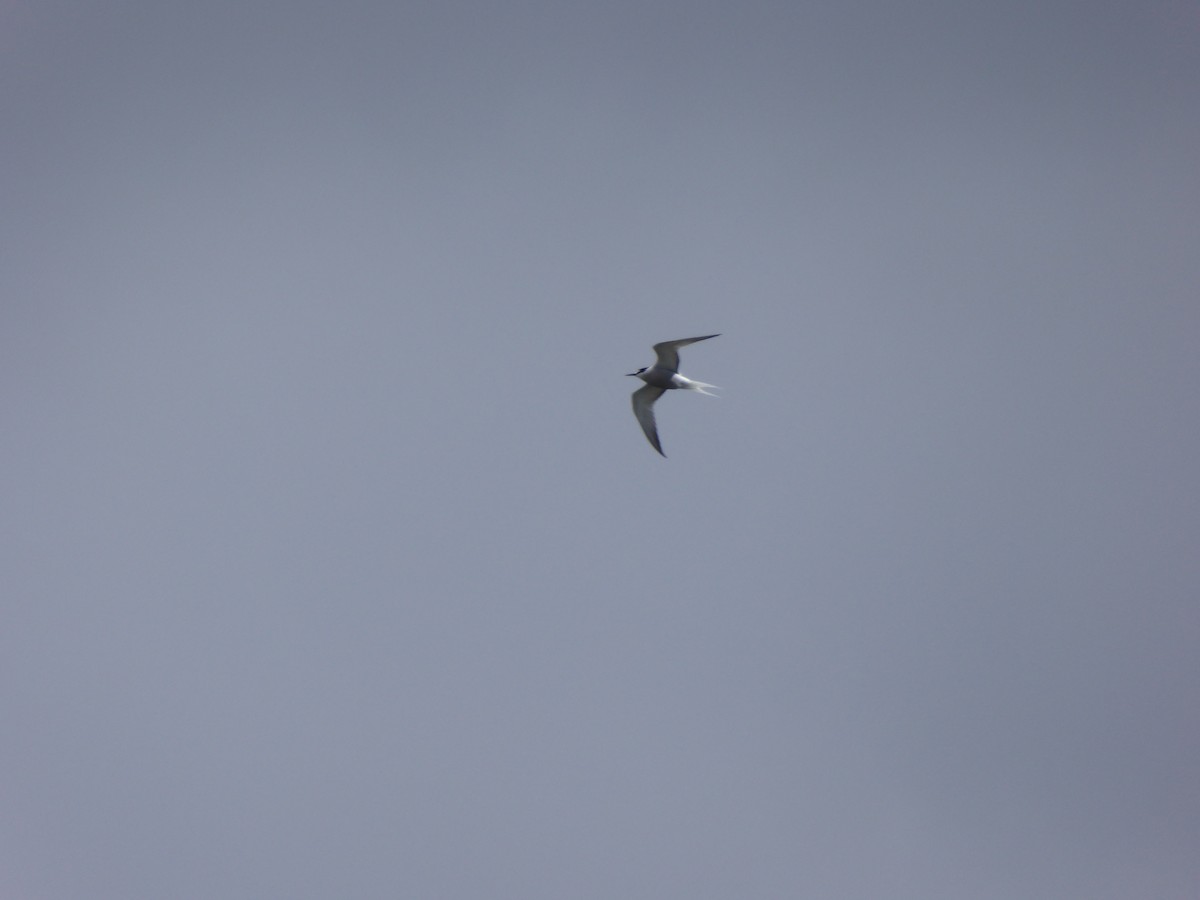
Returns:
<point x="700" y="386"/>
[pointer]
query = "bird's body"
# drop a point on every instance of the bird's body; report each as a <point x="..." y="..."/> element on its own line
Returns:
<point x="661" y="377"/>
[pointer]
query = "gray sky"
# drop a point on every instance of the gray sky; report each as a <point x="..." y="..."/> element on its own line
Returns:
<point x="335" y="563"/>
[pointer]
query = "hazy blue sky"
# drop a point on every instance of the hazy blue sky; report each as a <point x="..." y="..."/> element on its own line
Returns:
<point x="334" y="563"/>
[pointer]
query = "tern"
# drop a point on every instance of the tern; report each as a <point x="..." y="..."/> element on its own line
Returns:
<point x="661" y="377"/>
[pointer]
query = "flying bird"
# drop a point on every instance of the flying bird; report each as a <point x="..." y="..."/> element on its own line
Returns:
<point x="661" y="377"/>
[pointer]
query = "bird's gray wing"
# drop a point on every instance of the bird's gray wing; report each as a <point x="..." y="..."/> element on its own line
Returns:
<point x="643" y="408"/>
<point x="668" y="351"/>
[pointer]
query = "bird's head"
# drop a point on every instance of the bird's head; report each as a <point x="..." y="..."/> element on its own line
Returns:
<point x="638" y="372"/>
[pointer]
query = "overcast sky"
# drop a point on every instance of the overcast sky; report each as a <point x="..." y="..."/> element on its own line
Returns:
<point x="334" y="562"/>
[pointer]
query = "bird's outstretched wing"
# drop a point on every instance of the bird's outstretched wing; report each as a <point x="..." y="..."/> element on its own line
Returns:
<point x="668" y="351"/>
<point x="643" y="408"/>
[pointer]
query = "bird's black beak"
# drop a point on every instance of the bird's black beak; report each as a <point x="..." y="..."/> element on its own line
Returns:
<point x="627" y="374"/>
